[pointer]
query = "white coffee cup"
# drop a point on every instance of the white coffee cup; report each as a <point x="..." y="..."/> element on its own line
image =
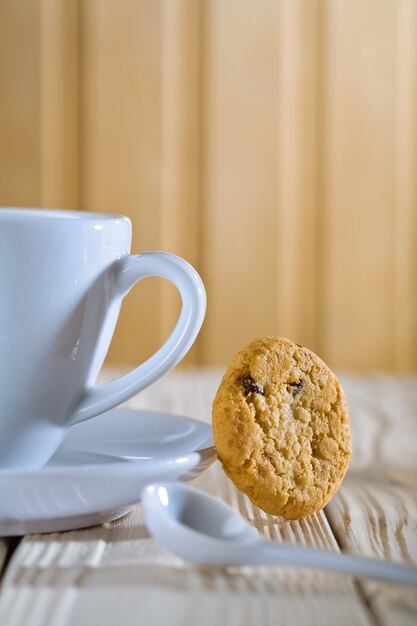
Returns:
<point x="63" y="275"/>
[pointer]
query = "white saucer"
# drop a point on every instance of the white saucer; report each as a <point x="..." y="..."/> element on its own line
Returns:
<point x="97" y="473"/>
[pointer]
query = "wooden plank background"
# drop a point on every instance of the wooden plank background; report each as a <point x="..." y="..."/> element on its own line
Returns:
<point x="273" y="144"/>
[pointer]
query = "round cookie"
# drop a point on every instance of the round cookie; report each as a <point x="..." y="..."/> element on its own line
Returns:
<point x="281" y="427"/>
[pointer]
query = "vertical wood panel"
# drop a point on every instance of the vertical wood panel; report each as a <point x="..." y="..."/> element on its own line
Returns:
<point x="405" y="207"/>
<point x="272" y="144"/>
<point x="140" y="116"/>
<point x="19" y="103"/>
<point x="359" y="182"/>
<point x="121" y="143"/>
<point x="297" y="172"/>
<point x="59" y="98"/>
<point x="239" y="168"/>
<point x="180" y="167"/>
<point x="39" y="103"/>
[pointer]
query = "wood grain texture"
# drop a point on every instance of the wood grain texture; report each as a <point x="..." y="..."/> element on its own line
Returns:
<point x="180" y="136"/>
<point x="239" y="161"/>
<point x="86" y="576"/>
<point x="254" y="139"/>
<point x="59" y="104"/>
<point x="375" y="511"/>
<point x="121" y="143"/>
<point x="298" y="172"/>
<point x="405" y="213"/>
<point x="376" y="516"/>
<point x="39" y="123"/>
<point x="19" y="103"/>
<point x="140" y="115"/>
<point x="360" y="184"/>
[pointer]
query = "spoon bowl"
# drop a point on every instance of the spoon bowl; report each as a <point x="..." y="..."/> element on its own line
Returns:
<point x="195" y="525"/>
<point x="201" y="528"/>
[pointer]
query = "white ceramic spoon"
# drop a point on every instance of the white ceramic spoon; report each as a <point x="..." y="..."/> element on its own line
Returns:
<point x="201" y="528"/>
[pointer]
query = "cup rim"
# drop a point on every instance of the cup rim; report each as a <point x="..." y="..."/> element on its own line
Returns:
<point x="63" y="214"/>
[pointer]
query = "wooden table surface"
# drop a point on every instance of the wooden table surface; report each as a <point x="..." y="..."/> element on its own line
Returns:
<point x="117" y="574"/>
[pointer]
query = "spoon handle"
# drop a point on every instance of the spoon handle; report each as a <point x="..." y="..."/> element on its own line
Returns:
<point x="336" y="562"/>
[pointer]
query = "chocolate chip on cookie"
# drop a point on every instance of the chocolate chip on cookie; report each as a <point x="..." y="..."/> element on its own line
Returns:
<point x="281" y="427"/>
<point x="295" y="388"/>
<point x="250" y="386"/>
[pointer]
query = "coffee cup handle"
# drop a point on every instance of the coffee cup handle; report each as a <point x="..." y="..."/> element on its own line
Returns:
<point x="129" y="270"/>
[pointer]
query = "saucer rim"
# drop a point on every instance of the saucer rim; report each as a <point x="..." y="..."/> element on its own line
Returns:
<point x="10" y="472"/>
<point x="130" y="474"/>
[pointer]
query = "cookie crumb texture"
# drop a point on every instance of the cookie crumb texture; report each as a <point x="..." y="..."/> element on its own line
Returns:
<point x="281" y="427"/>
